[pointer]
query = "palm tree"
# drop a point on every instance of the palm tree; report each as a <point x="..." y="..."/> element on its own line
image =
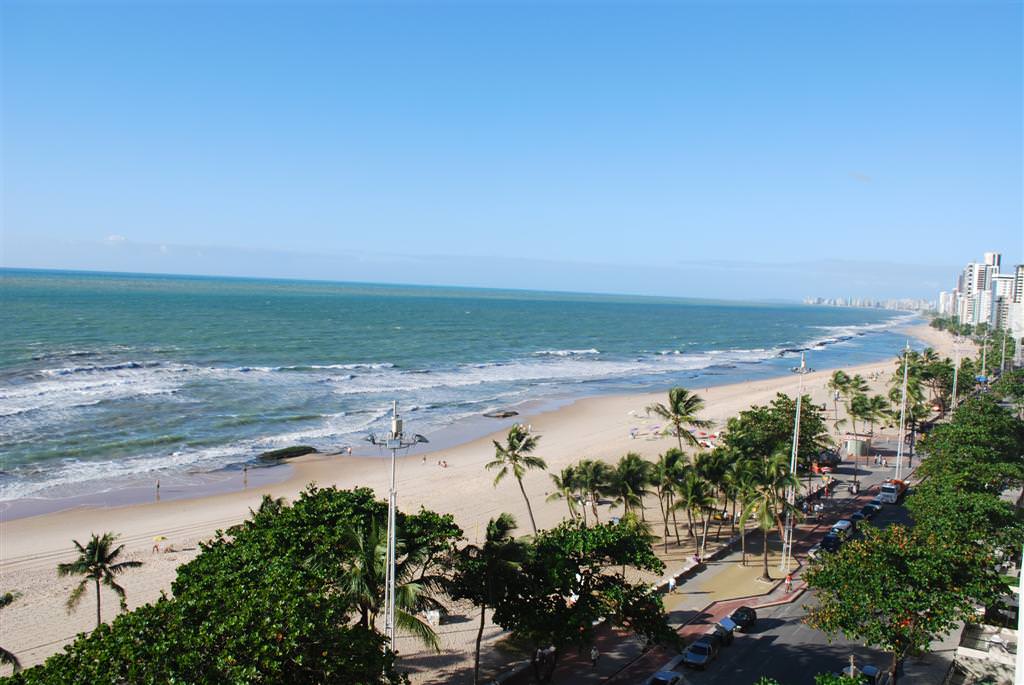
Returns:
<point x="515" y="456"/>
<point x="486" y="567"/>
<point x="711" y="466"/>
<point x="594" y="480"/>
<point x="96" y="562"/>
<point x="681" y="410"/>
<point x="857" y="409"/>
<point x="629" y="483"/>
<point x="766" y="503"/>
<point x="362" y="579"/>
<point x="7" y="657"/>
<point x="837" y="384"/>
<point x="696" y="498"/>
<point x="662" y="478"/>
<point x="876" y="409"/>
<point x="566" y="484"/>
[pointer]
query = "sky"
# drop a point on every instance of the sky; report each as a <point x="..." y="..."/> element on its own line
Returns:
<point x="729" y="149"/>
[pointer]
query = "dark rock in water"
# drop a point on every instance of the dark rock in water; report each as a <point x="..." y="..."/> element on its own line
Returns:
<point x="287" y="452"/>
<point x="501" y="414"/>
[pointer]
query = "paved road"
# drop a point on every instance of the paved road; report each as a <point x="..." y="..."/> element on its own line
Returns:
<point x="781" y="646"/>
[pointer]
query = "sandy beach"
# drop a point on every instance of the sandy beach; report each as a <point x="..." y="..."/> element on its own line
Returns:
<point x="598" y="428"/>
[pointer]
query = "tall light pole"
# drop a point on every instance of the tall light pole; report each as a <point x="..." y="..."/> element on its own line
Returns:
<point x="1002" y="359"/>
<point x="903" y="412"/>
<point x="394" y="441"/>
<point x="956" y="371"/>
<point x="787" y="539"/>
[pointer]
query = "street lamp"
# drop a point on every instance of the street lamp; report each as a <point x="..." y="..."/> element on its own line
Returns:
<point x="903" y="412"/>
<point x="394" y="441"/>
<point x="787" y="539"/>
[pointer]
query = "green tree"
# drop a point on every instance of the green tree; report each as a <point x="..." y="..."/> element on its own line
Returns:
<point x="628" y="484"/>
<point x="96" y="562"/>
<point x="515" y="457"/>
<point x="570" y="578"/>
<point x="837" y="383"/>
<point x="897" y="589"/>
<point x="664" y="476"/>
<point x="765" y="430"/>
<point x="7" y="657"/>
<point x="695" y="498"/>
<point x="765" y="501"/>
<point x="483" y="572"/>
<point x="594" y="478"/>
<point x="682" y="411"/>
<point x="566" y="484"/>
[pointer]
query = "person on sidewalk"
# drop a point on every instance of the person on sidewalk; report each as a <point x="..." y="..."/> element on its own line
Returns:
<point x="593" y="656"/>
<point x="789" y="583"/>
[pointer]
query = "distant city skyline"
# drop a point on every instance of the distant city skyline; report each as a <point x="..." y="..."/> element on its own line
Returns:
<point x="722" y="150"/>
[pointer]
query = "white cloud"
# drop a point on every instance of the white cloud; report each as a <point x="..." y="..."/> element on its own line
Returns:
<point x="115" y="239"/>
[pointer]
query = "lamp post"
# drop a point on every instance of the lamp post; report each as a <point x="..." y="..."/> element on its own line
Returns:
<point x="394" y="441"/>
<point x="903" y="412"/>
<point x="956" y="371"/>
<point x="787" y="539"/>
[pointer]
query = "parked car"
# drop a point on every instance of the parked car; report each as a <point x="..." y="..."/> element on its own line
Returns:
<point x="666" y="678"/>
<point x="870" y="511"/>
<point x="831" y="542"/>
<point x="857" y="517"/>
<point x="878" y="503"/>
<point x="744" y="618"/>
<point x="868" y="674"/>
<point x="844" y="529"/>
<point x="700" y="653"/>
<point x="723" y="636"/>
<point x="728" y="625"/>
<point x="814" y="551"/>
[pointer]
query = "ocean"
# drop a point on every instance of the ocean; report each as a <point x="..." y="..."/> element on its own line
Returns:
<point x="111" y="380"/>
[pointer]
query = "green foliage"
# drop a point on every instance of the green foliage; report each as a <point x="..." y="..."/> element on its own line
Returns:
<point x="898" y="589"/>
<point x="982" y="440"/>
<point x="764" y="430"/>
<point x="837" y="679"/>
<point x="569" y="579"/>
<point x="7" y="657"/>
<point x="264" y="602"/>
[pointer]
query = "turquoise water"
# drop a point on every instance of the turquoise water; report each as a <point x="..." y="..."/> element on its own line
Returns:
<point x="106" y="378"/>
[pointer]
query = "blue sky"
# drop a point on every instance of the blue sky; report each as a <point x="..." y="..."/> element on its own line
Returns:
<point x="840" y="148"/>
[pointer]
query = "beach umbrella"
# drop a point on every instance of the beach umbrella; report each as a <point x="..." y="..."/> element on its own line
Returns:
<point x="159" y="538"/>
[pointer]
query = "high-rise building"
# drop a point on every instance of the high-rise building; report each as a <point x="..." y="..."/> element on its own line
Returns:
<point x="1001" y="295"/>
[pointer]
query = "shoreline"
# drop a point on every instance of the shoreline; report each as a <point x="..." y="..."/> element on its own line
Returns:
<point x="595" y="427"/>
<point x="243" y="476"/>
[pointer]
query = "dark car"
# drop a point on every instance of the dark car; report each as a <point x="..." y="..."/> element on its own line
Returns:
<point x="700" y="653"/>
<point x="870" y="511"/>
<point x="857" y="516"/>
<point x="719" y="633"/>
<point x="744" y="618"/>
<point x="878" y="503"/>
<point x="831" y="543"/>
<point x="665" y="678"/>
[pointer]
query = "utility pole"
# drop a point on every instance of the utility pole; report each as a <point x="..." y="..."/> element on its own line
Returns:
<point x="787" y="539"/>
<point x="1002" y="360"/>
<point x="956" y="372"/>
<point x="394" y="441"/>
<point x="903" y="412"/>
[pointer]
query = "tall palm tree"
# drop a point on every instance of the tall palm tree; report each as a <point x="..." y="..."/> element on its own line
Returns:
<point x="767" y="504"/>
<point x="711" y="466"/>
<point x="7" y="657"/>
<point x="363" y="578"/>
<point x="487" y="566"/>
<point x="695" y="496"/>
<point x="662" y="478"/>
<point x="629" y="483"/>
<point x="682" y="410"/>
<point x="837" y="384"/>
<point x="566" y="484"/>
<point x="96" y="562"/>
<point x="876" y="410"/>
<point x="594" y="480"/>
<point x="514" y="456"/>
